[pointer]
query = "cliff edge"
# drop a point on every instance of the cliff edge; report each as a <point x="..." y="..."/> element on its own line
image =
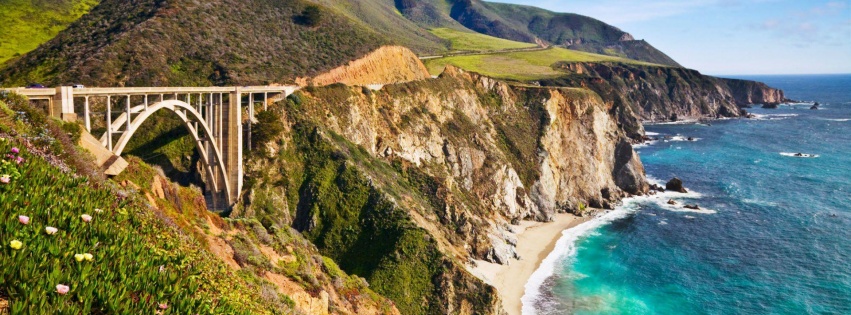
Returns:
<point x="385" y="65"/>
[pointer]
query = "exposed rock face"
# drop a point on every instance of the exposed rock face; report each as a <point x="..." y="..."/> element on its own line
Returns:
<point x="750" y="92"/>
<point x="501" y="152"/>
<point x="646" y="93"/>
<point x="386" y="65"/>
<point x="628" y="171"/>
<point x="464" y="156"/>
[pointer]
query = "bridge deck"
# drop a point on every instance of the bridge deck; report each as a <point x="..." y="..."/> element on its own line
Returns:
<point x="93" y="91"/>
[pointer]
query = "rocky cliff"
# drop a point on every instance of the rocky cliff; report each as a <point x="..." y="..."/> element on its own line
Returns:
<point x="747" y="92"/>
<point x="406" y="184"/>
<point x="646" y="93"/>
<point x="388" y="64"/>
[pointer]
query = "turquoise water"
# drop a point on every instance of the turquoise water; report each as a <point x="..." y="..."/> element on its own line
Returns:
<point x="774" y="236"/>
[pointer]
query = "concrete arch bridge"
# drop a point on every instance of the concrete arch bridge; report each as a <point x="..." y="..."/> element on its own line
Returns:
<point x="212" y="115"/>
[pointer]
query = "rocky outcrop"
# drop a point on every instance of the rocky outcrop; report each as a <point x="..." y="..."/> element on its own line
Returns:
<point x="747" y="92"/>
<point x="675" y="184"/>
<point x="628" y="171"/>
<point x="386" y="65"/>
<point x="649" y="93"/>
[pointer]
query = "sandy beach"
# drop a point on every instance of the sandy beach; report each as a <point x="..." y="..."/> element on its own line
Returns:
<point x="535" y="240"/>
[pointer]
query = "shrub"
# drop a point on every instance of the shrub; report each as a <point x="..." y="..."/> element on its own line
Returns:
<point x="267" y="128"/>
<point x="311" y="16"/>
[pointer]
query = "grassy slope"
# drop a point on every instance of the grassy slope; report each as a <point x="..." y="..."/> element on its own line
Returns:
<point x="522" y="66"/>
<point x="183" y="42"/>
<point x="128" y="242"/>
<point x="25" y="24"/>
<point x="470" y="41"/>
<point x="383" y="17"/>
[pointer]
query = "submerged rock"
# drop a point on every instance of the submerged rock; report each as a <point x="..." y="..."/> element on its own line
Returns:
<point x="693" y="207"/>
<point x="671" y="202"/>
<point x="675" y="184"/>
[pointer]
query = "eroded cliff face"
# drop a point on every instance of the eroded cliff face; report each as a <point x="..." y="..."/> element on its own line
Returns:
<point x="646" y="93"/>
<point x="748" y="92"/>
<point x="421" y="177"/>
<point x="388" y="64"/>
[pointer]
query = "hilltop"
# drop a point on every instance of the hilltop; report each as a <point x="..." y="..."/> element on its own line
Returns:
<point x="532" y="25"/>
<point x="182" y="42"/>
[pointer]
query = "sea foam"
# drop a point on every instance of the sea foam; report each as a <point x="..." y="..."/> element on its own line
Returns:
<point x="805" y="155"/>
<point x="566" y="245"/>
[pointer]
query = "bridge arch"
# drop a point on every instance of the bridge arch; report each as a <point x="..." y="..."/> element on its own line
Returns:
<point x="218" y="176"/>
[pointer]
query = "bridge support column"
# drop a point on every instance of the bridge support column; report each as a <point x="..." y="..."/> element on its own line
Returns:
<point x="232" y="143"/>
<point x="62" y="105"/>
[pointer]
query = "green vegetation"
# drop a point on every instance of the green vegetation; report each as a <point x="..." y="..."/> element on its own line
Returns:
<point x="522" y="65"/>
<point x="311" y="16"/>
<point x="470" y="41"/>
<point x="346" y="202"/>
<point x="267" y="127"/>
<point x="79" y="245"/>
<point x="25" y="24"/>
<point x="527" y="24"/>
<point x="174" y="43"/>
<point x="353" y="223"/>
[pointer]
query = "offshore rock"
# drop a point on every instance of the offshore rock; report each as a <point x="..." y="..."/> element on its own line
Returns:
<point x="675" y="184"/>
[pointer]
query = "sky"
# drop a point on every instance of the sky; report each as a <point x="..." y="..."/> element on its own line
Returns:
<point x="731" y="36"/>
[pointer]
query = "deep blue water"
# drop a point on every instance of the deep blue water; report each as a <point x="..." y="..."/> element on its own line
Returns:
<point x="775" y="237"/>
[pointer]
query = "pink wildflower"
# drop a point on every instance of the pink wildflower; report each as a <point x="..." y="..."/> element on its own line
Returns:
<point x="86" y="218"/>
<point x="24" y="219"/>
<point x="5" y="179"/>
<point x="19" y="160"/>
<point x="62" y="289"/>
<point x="163" y="306"/>
<point x="15" y="150"/>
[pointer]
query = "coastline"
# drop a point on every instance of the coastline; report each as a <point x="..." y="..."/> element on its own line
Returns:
<point x="535" y="241"/>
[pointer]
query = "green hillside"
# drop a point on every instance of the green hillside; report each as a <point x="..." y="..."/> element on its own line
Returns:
<point x="470" y="41"/>
<point x="138" y="261"/>
<point x="159" y="43"/>
<point x="25" y="24"/>
<point x="522" y="65"/>
<point x="180" y="42"/>
<point x="528" y="24"/>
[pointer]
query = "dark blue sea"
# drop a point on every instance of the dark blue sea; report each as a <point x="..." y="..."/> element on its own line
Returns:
<point x="773" y="235"/>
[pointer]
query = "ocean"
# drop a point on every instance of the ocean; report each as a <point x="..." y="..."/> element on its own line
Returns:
<point x="773" y="235"/>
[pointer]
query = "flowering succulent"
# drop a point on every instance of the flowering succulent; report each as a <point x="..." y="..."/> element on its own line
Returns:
<point x="5" y="178"/>
<point x="79" y="257"/>
<point x="50" y="230"/>
<point x="24" y="219"/>
<point x="19" y="160"/>
<point x="16" y="244"/>
<point x="62" y="289"/>
<point x="163" y="306"/>
<point x="88" y="257"/>
<point x="86" y="218"/>
<point x="15" y="150"/>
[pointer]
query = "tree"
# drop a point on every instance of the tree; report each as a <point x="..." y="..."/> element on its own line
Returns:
<point x="311" y="16"/>
<point x="267" y="128"/>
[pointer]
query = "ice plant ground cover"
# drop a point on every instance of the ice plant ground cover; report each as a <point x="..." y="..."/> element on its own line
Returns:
<point x="133" y="260"/>
<point x="123" y="274"/>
